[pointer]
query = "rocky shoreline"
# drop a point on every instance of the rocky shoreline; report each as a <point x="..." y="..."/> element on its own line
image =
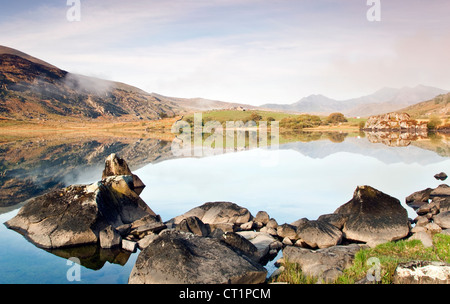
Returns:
<point x="221" y="242"/>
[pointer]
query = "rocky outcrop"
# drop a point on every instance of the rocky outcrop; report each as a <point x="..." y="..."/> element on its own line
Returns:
<point x="394" y="122"/>
<point x="373" y="217"/>
<point x="77" y="214"/>
<point x="422" y="272"/>
<point x="177" y="257"/>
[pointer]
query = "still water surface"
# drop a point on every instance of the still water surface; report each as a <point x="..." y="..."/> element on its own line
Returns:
<point x="298" y="180"/>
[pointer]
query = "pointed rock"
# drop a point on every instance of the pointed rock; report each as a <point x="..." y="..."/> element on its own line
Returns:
<point x="374" y="217"/>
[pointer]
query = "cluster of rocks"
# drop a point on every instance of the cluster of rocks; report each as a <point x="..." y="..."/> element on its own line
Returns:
<point x="433" y="213"/>
<point x="109" y="212"/>
<point x="395" y="122"/>
<point x="220" y="242"/>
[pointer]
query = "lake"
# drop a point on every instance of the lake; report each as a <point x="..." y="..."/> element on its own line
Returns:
<point x="303" y="178"/>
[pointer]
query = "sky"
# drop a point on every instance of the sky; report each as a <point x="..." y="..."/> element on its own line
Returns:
<point x="246" y="51"/>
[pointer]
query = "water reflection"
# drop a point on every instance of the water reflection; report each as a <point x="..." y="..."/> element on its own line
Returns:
<point x="92" y="256"/>
<point x="395" y="139"/>
<point x="32" y="166"/>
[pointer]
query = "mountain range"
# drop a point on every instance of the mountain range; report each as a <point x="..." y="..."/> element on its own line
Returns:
<point x="382" y="101"/>
<point x="31" y="88"/>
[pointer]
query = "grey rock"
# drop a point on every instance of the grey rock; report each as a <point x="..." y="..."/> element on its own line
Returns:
<point x="268" y="230"/>
<point x="444" y="203"/>
<point x="422" y="272"/>
<point x="262" y="217"/>
<point x="129" y="245"/>
<point x="421" y="220"/>
<point x="240" y="244"/>
<point x="441" y="176"/>
<point x="75" y="215"/>
<point x="374" y="216"/>
<point x="334" y="219"/>
<point x="419" y="198"/>
<point x="433" y="228"/>
<point x="262" y="242"/>
<point x="441" y="191"/>
<point x="194" y="225"/>
<point x="424" y="237"/>
<point x="287" y="230"/>
<point x="214" y="213"/>
<point x="272" y="223"/>
<point x="124" y="229"/>
<point x="110" y="237"/>
<point x="442" y="219"/>
<point x="287" y="241"/>
<point x="324" y="264"/>
<point x="247" y="226"/>
<point x="319" y="234"/>
<point x="146" y="241"/>
<point x="184" y="258"/>
<point x="299" y="222"/>
<point x="416" y="229"/>
<point x="115" y="166"/>
<point x="446" y="232"/>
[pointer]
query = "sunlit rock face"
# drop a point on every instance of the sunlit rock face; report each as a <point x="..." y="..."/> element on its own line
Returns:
<point x="394" y="122"/>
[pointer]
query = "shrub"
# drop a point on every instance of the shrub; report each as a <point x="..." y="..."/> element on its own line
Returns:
<point x="336" y="118"/>
<point x="255" y="117"/>
<point x="433" y="123"/>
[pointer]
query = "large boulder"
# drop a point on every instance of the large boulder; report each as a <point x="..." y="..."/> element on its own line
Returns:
<point x="324" y="264"/>
<point x="218" y="214"/>
<point x="319" y="234"/>
<point x="177" y="257"/>
<point x="76" y="214"/>
<point x="374" y="217"/>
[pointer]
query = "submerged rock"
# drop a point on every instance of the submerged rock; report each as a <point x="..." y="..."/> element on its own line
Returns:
<point x="374" y="217"/>
<point x="441" y="176"/>
<point x="177" y="257"/>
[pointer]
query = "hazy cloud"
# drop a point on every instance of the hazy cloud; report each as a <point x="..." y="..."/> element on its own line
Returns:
<point x="244" y="51"/>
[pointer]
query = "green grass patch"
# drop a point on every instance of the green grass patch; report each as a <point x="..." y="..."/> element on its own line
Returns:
<point x="389" y="254"/>
<point x="392" y="253"/>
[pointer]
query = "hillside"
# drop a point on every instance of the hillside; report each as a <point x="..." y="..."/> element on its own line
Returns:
<point x="33" y="89"/>
<point x="438" y="106"/>
<point x="382" y="101"/>
<point x="202" y="104"/>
